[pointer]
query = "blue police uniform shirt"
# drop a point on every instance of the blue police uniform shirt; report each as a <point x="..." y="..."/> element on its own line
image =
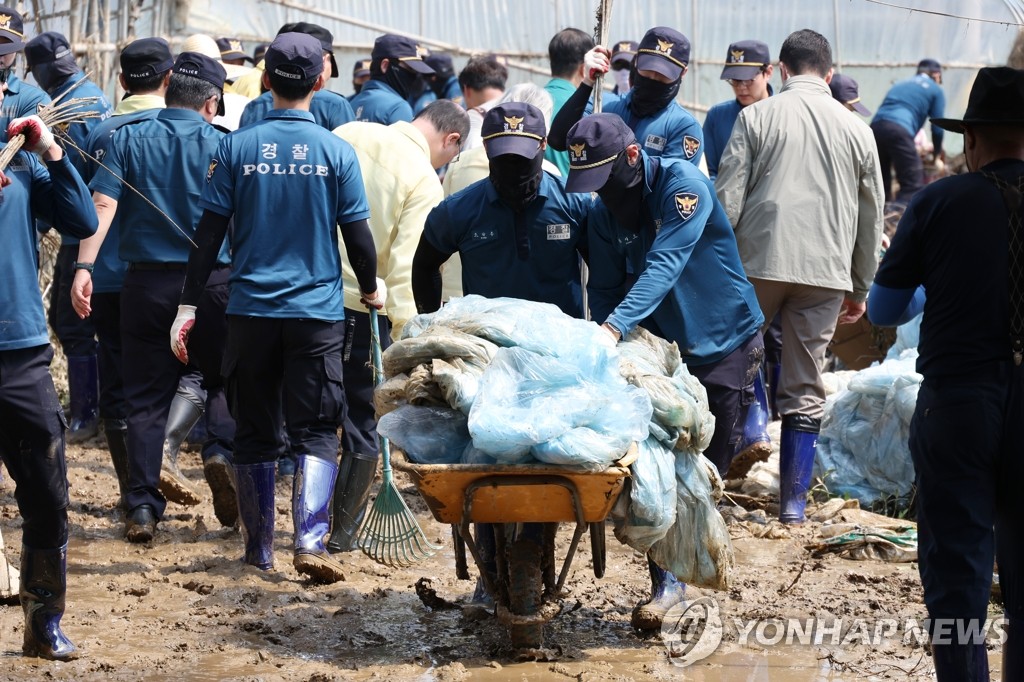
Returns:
<point x="108" y="269"/>
<point x="671" y="133"/>
<point x="20" y="99"/>
<point x="420" y="103"/>
<point x="544" y="268"/>
<point x="329" y="109"/>
<point x="910" y="103"/>
<point x="452" y="90"/>
<point x="377" y="102"/>
<point x="289" y="184"/>
<point x="79" y="132"/>
<point x="176" y="143"/>
<point x="680" y="273"/>
<point x="965" y="328"/>
<point x="718" y="124"/>
<point x="54" y="193"/>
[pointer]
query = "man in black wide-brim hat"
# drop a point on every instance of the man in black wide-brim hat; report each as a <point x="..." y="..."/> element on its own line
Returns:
<point x="961" y="241"/>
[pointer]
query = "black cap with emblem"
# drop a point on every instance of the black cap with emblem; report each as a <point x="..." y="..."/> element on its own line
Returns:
<point x="664" y="50"/>
<point x="13" y="28"/>
<point x="325" y="37"/>
<point x="513" y="128"/>
<point x="745" y="60"/>
<point x="593" y="144"/>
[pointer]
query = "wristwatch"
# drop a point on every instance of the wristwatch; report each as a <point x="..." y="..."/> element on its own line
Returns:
<point x="85" y="266"/>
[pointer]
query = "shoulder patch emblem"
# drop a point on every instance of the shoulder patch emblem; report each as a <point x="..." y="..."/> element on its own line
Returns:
<point x="211" y="169"/>
<point x="686" y="204"/>
<point x="691" y="145"/>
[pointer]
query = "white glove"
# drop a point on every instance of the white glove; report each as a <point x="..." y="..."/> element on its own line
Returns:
<point x="183" y="323"/>
<point x="596" y="63"/>
<point x="378" y="298"/>
<point x="38" y="137"/>
<point x="609" y="336"/>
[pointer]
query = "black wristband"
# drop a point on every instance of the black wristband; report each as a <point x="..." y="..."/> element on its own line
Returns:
<point x="85" y="266"/>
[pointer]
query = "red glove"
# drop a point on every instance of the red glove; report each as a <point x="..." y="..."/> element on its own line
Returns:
<point x="38" y="137"/>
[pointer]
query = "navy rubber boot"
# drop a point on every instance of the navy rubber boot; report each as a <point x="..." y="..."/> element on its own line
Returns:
<point x="756" y="445"/>
<point x="666" y="592"/>
<point x="255" y="486"/>
<point x="84" y="398"/>
<point x="186" y="409"/>
<point x="43" y="588"/>
<point x="956" y="662"/>
<point x="796" y="464"/>
<point x="311" y="503"/>
<point x="116" y="431"/>
<point x="351" y="495"/>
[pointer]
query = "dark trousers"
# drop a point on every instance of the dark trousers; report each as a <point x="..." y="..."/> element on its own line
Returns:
<point x="359" y="433"/>
<point x="773" y="341"/>
<point x="149" y="303"/>
<point x="967" y="442"/>
<point x="896" y="150"/>
<point x="32" y="429"/>
<point x="220" y="427"/>
<point x="76" y="336"/>
<point x="106" y="316"/>
<point x="730" y="386"/>
<point x="284" y="372"/>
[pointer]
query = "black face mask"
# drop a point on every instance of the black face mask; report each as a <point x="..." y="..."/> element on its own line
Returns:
<point x="357" y="87"/>
<point x="651" y="96"/>
<point x="408" y="84"/>
<point x="516" y="179"/>
<point x="623" y="194"/>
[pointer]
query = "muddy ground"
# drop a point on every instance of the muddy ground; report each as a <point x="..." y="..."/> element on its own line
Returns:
<point x="184" y="607"/>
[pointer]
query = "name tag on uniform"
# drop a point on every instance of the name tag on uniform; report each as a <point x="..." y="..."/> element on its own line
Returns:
<point x="483" y="235"/>
<point x="655" y="142"/>
<point x="18" y="164"/>
<point x="558" y="232"/>
<point x="657" y="226"/>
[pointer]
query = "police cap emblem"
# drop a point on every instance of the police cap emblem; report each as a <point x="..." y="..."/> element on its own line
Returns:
<point x="578" y="152"/>
<point x="664" y="46"/>
<point x="737" y="56"/>
<point x="514" y="124"/>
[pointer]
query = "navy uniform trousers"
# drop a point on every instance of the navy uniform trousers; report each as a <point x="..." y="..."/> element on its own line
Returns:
<point x="32" y="429"/>
<point x="359" y="434"/>
<point x="149" y="303"/>
<point x="76" y="336"/>
<point x="106" y="316"/>
<point x="967" y="443"/>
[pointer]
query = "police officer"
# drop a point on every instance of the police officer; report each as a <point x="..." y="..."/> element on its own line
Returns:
<point x="398" y="164"/>
<point x="443" y="82"/>
<point x="663" y="256"/>
<point x="31" y="420"/>
<point x="662" y="127"/>
<point x="966" y="433"/>
<point x="145" y="71"/>
<point x="622" y="64"/>
<point x="285" y="313"/>
<point x="846" y="91"/>
<point x="360" y="74"/>
<point x="329" y="109"/>
<point x="165" y="158"/>
<point x="396" y="75"/>
<point x="53" y="66"/>
<point x="20" y="98"/>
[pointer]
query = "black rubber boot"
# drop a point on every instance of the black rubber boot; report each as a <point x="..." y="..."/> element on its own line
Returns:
<point x="311" y="502"/>
<point x="116" y="431"/>
<point x="955" y="662"/>
<point x="84" y="397"/>
<point x="255" y="485"/>
<point x="666" y="592"/>
<point x="43" y="586"/>
<point x="351" y="495"/>
<point x="186" y="409"/>
<point x="1013" y="650"/>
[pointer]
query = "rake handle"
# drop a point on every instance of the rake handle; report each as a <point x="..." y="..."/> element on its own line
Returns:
<point x="378" y="379"/>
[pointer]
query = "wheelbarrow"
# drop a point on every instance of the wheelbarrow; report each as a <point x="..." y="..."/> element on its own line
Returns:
<point x="525" y="585"/>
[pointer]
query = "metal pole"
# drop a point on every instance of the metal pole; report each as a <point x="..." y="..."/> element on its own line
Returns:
<point x="694" y="40"/>
<point x="838" y="53"/>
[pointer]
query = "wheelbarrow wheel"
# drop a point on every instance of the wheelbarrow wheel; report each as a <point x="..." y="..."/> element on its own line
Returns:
<point x="525" y="588"/>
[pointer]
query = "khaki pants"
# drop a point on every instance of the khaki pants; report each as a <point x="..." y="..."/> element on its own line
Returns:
<point x="809" y="316"/>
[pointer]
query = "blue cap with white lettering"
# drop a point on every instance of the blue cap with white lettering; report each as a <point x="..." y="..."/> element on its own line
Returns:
<point x="200" y="66"/>
<point x="298" y="56"/>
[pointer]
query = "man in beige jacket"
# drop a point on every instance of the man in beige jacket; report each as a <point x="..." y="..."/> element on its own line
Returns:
<point x="801" y="184"/>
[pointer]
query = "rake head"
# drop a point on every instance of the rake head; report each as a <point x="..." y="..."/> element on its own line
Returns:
<point x="390" y="535"/>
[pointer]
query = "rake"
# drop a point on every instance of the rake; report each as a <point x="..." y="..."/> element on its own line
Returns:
<point x="391" y="535"/>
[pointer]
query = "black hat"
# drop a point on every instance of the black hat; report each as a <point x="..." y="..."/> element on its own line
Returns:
<point x="441" y="63"/>
<point x="400" y="48"/>
<point x="593" y="144"/>
<point x="204" y="68"/>
<point x="513" y="128"/>
<point x="231" y="48"/>
<point x="325" y="37"/>
<point x="258" y="53"/>
<point x="46" y="48"/>
<point x="13" y="28"/>
<point x="361" y="68"/>
<point x="997" y="98"/>
<point x="664" y="50"/>
<point x="846" y="91"/>
<point x="928" y="66"/>
<point x="294" y="55"/>
<point x="745" y="60"/>
<point x="145" y="58"/>
<point x="624" y="51"/>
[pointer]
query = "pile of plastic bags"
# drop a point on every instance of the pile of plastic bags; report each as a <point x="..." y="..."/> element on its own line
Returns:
<point x="862" y="449"/>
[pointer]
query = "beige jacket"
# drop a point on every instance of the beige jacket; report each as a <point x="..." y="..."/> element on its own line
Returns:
<point x="801" y="184"/>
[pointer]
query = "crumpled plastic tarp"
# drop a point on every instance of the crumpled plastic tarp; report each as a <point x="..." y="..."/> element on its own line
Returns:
<point x="429" y="435"/>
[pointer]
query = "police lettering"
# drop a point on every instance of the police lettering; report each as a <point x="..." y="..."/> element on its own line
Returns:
<point x="285" y="169"/>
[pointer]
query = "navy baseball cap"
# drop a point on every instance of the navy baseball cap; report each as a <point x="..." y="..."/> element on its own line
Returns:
<point x="745" y="60"/>
<point x="298" y="56"/>
<point x="145" y="58"/>
<point x="441" y="63"/>
<point x="46" y="48"/>
<point x="513" y="128"/>
<point x="845" y="90"/>
<point x="12" y="27"/>
<point x="402" y="49"/>
<point x="593" y="144"/>
<point x="624" y="51"/>
<point x="204" y="68"/>
<point x="664" y="50"/>
<point x="258" y="53"/>
<point x="361" y="68"/>
<point x="325" y="37"/>
<point x="928" y="66"/>
<point x="231" y="48"/>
